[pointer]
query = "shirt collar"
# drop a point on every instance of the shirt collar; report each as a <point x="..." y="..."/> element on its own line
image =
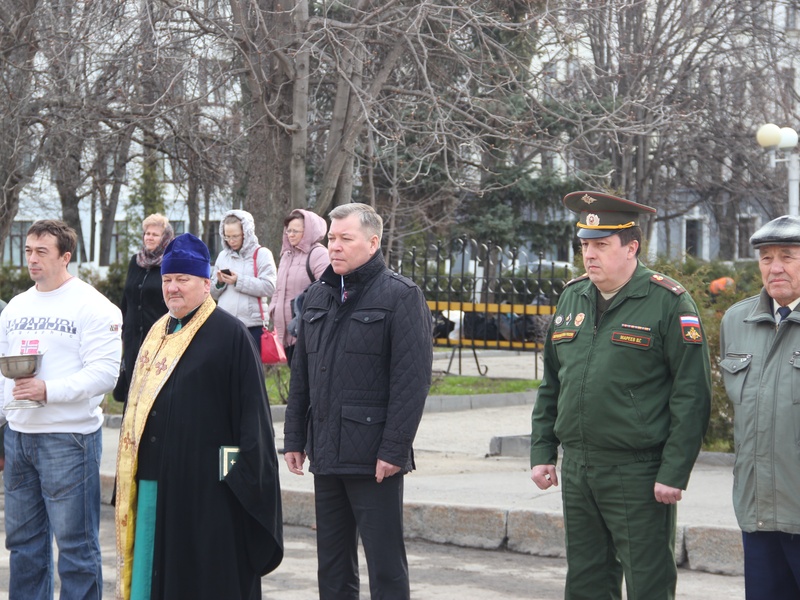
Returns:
<point x="775" y="306"/>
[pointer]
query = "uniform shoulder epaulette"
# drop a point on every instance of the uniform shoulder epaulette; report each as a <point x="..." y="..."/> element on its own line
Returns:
<point x="665" y="282"/>
<point x="577" y="279"/>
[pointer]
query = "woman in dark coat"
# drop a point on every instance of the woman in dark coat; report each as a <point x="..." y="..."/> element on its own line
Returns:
<point x="142" y="299"/>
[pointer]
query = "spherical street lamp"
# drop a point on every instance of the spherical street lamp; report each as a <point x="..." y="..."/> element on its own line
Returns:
<point x="772" y="138"/>
<point x="768" y="135"/>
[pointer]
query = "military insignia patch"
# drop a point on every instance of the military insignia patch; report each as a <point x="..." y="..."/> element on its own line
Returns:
<point x="579" y="319"/>
<point x="631" y="339"/>
<point x="568" y="319"/>
<point x="592" y="220"/>
<point x="563" y="335"/>
<point x="559" y="320"/>
<point x="690" y="329"/>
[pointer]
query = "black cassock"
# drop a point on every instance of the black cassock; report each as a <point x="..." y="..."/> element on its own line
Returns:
<point x="214" y="539"/>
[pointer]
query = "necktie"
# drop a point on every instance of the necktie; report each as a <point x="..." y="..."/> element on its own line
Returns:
<point x="344" y="292"/>
<point x="783" y="311"/>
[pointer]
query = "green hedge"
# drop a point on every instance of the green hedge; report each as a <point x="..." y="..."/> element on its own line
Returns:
<point x="13" y="281"/>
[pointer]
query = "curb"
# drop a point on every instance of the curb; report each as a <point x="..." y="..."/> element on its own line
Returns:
<point x="538" y="533"/>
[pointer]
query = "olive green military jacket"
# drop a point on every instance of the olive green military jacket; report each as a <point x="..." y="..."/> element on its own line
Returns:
<point x="638" y="383"/>
<point x="760" y="366"/>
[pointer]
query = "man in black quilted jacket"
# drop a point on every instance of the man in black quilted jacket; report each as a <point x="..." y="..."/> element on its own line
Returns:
<point x="360" y="375"/>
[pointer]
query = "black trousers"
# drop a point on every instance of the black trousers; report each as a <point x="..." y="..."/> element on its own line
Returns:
<point x="349" y="506"/>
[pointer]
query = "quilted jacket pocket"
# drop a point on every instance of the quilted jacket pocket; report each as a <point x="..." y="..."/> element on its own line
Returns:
<point x="365" y="332"/>
<point x="362" y="432"/>
<point x="313" y="322"/>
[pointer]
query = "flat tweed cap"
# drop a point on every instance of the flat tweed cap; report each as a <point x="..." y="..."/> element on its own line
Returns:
<point x="783" y="231"/>
<point x="602" y="215"/>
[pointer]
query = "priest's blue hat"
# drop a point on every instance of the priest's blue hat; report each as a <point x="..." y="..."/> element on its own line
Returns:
<point x="187" y="254"/>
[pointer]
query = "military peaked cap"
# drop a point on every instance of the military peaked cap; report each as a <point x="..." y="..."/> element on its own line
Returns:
<point x="602" y="215"/>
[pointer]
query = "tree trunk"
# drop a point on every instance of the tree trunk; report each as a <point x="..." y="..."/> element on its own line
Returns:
<point x="300" y="109"/>
<point x="338" y="153"/>
<point x="65" y="157"/>
<point x="110" y="201"/>
<point x="269" y="145"/>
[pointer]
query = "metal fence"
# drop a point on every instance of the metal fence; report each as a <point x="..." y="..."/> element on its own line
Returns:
<point x="484" y="296"/>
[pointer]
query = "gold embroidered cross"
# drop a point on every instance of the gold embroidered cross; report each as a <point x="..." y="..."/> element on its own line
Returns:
<point x="161" y="366"/>
<point x="145" y="357"/>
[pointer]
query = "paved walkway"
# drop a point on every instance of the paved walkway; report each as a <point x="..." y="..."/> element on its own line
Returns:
<point x="461" y="494"/>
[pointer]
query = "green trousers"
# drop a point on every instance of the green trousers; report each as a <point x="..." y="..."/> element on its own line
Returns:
<point x="614" y="526"/>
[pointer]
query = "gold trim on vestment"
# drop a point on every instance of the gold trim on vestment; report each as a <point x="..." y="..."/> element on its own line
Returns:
<point x="157" y="359"/>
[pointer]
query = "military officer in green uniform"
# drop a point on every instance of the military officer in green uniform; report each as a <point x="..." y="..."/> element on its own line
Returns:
<point x="626" y="393"/>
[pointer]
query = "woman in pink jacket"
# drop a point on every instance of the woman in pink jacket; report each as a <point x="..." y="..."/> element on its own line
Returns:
<point x="303" y="259"/>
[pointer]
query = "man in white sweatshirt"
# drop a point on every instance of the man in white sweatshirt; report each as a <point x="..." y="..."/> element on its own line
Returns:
<point x="52" y="473"/>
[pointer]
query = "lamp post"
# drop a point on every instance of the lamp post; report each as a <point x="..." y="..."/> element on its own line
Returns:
<point x="773" y="138"/>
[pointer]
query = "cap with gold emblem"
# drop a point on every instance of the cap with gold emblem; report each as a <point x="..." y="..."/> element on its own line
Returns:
<point x="602" y="215"/>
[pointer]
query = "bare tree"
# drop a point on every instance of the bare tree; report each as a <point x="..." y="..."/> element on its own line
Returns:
<point x="19" y="136"/>
<point x="431" y="110"/>
<point x="657" y="98"/>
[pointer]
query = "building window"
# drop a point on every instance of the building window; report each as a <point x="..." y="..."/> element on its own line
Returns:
<point x="747" y="227"/>
<point x="14" y="251"/>
<point x="117" y="245"/>
<point x="212" y="238"/>
<point x="694" y="238"/>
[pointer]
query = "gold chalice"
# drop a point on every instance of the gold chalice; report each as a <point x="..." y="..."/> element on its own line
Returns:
<point x="20" y="367"/>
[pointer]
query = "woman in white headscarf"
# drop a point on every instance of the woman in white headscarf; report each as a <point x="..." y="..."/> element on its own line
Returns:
<point x="235" y="285"/>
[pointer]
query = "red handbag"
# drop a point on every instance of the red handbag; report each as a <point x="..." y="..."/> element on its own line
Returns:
<point x="272" y="352"/>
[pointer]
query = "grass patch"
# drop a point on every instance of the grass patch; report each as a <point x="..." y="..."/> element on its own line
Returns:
<point x="277" y="382"/>
<point x="462" y="385"/>
<point x="276" y="379"/>
<point x="111" y="406"/>
<point x="718" y="446"/>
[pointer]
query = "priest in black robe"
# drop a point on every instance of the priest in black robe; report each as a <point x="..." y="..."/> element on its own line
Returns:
<point x="198" y="511"/>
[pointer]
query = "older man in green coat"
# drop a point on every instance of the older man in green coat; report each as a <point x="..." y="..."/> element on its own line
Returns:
<point x="759" y="350"/>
